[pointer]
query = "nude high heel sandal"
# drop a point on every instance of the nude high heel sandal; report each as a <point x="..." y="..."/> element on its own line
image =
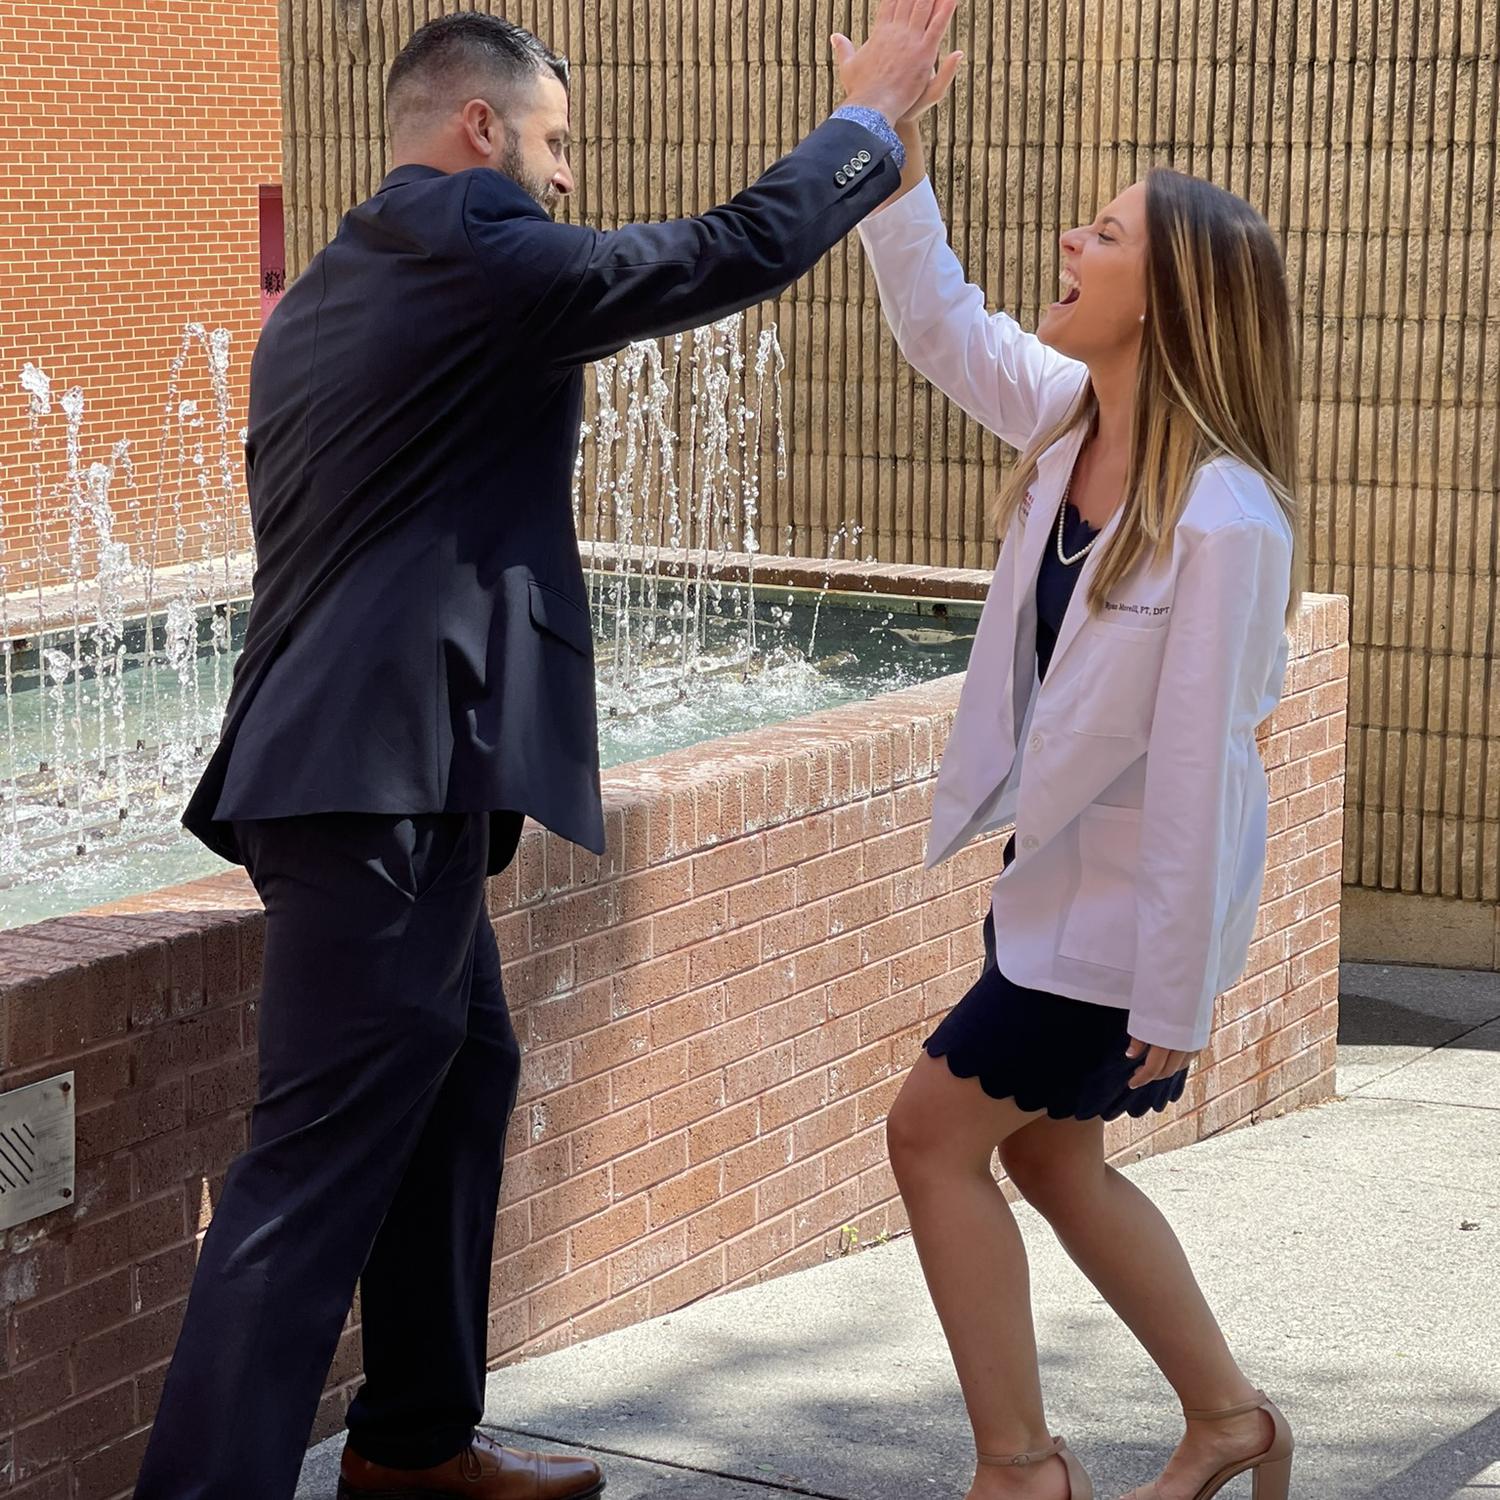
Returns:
<point x="1272" y="1469"/>
<point x="1080" y="1486"/>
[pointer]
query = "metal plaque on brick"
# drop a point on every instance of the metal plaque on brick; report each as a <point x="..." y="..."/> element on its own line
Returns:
<point x="37" y="1150"/>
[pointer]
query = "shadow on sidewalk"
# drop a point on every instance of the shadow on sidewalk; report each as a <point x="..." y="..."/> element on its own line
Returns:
<point x="1447" y="1469"/>
<point x="1423" y="1009"/>
<point x="1368" y="1021"/>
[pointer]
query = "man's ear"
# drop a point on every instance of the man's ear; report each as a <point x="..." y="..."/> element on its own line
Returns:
<point x="484" y="129"/>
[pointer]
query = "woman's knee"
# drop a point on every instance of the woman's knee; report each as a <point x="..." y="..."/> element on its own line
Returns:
<point x="1050" y="1170"/>
<point x="919" y="1152"/>
<point x="907" y="1140"/>
<point x="929" y="1137"/>
<point x="1026" y="1168"/>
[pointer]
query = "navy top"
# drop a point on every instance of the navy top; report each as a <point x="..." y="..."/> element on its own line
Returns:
<point x="1055" y="584"/>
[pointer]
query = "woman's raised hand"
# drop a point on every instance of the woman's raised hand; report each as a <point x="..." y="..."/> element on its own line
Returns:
<point x="942" y="80"/>
<point x="896" y="71"/>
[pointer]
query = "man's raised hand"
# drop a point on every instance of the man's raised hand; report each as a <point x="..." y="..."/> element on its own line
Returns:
<point x="896" y="70"/>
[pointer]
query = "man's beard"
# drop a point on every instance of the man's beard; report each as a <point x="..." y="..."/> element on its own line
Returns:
<point x="514" y="168"/>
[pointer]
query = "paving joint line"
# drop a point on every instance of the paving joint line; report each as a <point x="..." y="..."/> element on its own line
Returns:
<point x="1477" y="1026"/>
<point x="1484" y="1109"/>
<point x="666" y="1463"/>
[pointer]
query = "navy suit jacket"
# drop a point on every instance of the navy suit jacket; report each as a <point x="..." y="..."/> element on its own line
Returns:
<point x="419" y="636"/>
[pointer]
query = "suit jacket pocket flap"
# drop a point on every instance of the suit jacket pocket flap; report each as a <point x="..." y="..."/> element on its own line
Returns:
<point x="558" y="615"/>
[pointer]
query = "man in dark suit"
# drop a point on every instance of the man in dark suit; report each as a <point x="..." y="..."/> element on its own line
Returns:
<point x="417" y="677"/>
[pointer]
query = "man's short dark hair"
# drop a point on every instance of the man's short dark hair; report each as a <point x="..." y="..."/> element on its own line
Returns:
<point x="484" y="55"/>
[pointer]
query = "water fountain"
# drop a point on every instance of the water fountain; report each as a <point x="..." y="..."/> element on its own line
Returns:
<point x="114" y="680"/>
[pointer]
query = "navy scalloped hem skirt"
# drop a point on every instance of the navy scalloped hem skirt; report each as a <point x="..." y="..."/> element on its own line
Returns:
<point x="1044" y="1051"/>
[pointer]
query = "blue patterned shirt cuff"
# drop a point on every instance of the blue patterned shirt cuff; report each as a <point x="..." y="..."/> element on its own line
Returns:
<point x="877" y="124"/>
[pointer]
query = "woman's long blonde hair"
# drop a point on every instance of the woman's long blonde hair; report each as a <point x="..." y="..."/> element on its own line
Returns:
<point x="1217" y="374"/>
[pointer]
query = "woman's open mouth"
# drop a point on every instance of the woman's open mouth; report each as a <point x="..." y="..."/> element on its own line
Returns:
<point x="1071" y="289"/>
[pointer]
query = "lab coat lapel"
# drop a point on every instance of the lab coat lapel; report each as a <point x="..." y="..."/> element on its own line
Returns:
<point x="1078" y="606"/>
<point x="1053" y="469"/>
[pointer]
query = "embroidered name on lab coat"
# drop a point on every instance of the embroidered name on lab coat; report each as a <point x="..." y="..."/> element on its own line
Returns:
<point x="1149" y="611"/>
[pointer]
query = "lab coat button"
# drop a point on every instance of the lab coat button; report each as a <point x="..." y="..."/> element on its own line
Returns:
<point x="1036" y="742"/>
<point x="1030" y="841"/>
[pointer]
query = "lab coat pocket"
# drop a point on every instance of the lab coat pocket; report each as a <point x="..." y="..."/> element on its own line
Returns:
<point x="1116" y="692"/>
<point x="1100" y="926"/>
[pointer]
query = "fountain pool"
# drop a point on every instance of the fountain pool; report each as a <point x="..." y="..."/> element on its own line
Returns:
<point x="93" y="764"/>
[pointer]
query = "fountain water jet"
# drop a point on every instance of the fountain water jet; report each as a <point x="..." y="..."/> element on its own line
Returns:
<point x="81" y="754"/>
<point x="661" y="514"/>
<point x="114" y="682"/>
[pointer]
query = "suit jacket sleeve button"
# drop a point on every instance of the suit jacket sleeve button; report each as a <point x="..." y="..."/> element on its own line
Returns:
<point x="840" y="178"/>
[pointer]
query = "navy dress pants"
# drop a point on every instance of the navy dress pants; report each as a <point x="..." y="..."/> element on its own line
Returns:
<point x="388" y="1071"/>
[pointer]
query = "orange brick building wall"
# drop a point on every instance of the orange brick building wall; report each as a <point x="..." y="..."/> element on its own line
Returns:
<point x="135" y="136"/>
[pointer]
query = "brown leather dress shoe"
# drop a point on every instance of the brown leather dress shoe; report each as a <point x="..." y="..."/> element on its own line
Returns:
<point x="483" y="1471"/>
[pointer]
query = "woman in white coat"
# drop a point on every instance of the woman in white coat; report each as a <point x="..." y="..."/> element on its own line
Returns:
<point x="1133" y="638"/>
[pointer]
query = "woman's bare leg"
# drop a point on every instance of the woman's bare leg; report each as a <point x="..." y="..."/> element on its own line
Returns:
<point x="1120" y="1240"/>
<point x="943" y="1132"/>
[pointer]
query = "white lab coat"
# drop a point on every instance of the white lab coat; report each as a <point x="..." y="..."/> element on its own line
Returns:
<point x="1132" y="775"/>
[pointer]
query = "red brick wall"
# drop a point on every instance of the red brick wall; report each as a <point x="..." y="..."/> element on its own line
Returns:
<point x="716" y="1017"/>
<point x="135" y="136"/>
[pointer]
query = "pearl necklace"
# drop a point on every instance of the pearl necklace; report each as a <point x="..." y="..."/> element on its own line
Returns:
<point x="1062" y="515"/>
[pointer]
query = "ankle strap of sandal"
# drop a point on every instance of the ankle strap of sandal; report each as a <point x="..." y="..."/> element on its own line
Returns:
<point x="1224" y="1413"/>
<point x="1020" y="1460"/>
